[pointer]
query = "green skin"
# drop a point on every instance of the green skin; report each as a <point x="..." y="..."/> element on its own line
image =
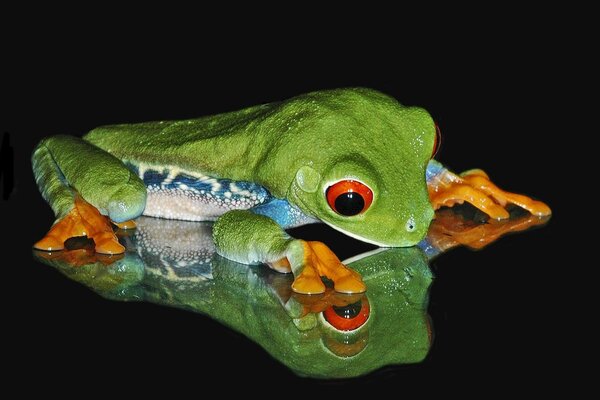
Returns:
<point x="249" y="301"/>
<point x="295" y="149"/>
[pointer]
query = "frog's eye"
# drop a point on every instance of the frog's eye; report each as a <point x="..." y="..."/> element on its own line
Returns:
<point x="349" y="197"/>
<point x="437" y="140"/>
<point x="350" y="317"/>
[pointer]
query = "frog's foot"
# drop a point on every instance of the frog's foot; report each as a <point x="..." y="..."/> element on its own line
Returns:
<point x="83" y="220"/>
<point x="475" y="187"/>
<point x="311" y="260"/>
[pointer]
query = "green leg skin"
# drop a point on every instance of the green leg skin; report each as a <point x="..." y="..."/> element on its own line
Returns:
<point x="249" y="238"/>
<point x="62" y="164"/>
<point x="252" y="239"/>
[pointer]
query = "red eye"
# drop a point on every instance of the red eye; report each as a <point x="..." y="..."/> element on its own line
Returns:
<point x="349" y="197"/>
<point x="350" y="317"/>
<point x="437" y="141"/>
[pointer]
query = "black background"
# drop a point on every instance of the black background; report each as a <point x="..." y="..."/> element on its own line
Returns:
<point x="498" y="314"/>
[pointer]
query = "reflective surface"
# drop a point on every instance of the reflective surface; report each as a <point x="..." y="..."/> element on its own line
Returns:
<point x="327" y="336"/>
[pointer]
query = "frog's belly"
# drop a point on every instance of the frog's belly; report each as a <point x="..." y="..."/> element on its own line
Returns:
<point x="177" y="194"/>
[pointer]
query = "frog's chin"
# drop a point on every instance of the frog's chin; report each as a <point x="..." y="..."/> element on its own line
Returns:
<point x="402" y="243"/>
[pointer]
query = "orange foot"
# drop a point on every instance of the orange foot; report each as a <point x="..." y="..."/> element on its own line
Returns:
<point x="83" y="220"/>
<point x="316" y="260"/>
<point x="475" y="187"/>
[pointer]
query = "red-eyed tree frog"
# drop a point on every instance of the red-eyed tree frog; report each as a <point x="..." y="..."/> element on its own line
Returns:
<point x="355" y="159"/>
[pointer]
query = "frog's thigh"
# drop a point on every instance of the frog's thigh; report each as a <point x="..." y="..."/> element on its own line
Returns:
<point x="85" y="186"/>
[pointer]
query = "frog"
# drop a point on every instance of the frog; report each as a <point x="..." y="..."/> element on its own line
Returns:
<point x="355" y="159"/>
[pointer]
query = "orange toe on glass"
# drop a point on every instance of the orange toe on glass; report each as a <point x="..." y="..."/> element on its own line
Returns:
<point x="308" y="282"/>
<point x="281" y="265"/>
<point x="50" y="243"/>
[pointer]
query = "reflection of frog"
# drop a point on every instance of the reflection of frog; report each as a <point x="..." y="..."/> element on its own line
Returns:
<point x="354" y="159"/>
<point x="329" y="335"/>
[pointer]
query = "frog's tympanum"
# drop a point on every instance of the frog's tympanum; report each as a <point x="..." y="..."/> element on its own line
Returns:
<point x="354" y="159"/>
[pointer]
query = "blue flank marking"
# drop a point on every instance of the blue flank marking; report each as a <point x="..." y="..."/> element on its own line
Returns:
<point x="281" y="212"/>
<point x="434" y="168"/>
<point x="153" y="177"/>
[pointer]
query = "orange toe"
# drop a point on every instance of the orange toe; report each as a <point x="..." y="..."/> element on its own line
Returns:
<point x="107" y="243"/>
<point x="282" y="265"/>
<point x="308" y="284"/>
<point x="320" y="261"/>
<point x="349" y="284"/>
<point x="49" y="243"/>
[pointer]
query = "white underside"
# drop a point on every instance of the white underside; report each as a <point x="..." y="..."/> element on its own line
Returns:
<point x="189" y="206"/>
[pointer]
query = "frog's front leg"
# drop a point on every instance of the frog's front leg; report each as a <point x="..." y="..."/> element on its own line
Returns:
<point x="474" y="186"/>
<point x="250" y="238"/>
<point x="87" y="188"/>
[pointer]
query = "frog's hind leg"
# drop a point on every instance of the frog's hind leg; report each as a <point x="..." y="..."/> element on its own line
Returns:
<point x="86" y="188"/>
<point x="474" y="186"/>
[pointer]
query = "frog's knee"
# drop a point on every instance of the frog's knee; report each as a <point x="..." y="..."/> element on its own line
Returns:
<point x="128" y="202"/>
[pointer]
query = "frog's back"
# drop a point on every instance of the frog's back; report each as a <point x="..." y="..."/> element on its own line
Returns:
<point x="191" y="144"/>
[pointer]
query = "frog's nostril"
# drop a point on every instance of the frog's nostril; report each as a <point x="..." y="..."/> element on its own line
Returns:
<point x="410" y="225"/>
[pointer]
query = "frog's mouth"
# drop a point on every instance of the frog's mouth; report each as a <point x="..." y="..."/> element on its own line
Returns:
<point x="362" y="238"/>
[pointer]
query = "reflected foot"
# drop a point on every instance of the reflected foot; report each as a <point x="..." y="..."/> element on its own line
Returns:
<point x="475" y="187"/>
<point x="449" y="230"/>
<point x="311" y="260"/>
<point x="83" y="220"/>
<point x="80" y="257"/>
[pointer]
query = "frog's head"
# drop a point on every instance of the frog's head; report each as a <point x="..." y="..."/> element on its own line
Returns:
<point x="363" y="168"/>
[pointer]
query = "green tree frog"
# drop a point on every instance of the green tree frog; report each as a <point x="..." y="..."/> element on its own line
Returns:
<point x="355" y="159"/>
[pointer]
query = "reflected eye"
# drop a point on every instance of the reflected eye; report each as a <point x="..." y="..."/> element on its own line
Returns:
<point x="437" y="141"/>
<point x="349" y="197"/>
<point x="350" y="317"/>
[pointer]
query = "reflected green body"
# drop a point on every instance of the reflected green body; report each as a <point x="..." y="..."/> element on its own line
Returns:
<point x="173" y="263"/>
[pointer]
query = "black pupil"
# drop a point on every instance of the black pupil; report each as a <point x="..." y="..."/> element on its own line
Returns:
<point x="350" y="203"/>
<point x="350" y="311"/>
